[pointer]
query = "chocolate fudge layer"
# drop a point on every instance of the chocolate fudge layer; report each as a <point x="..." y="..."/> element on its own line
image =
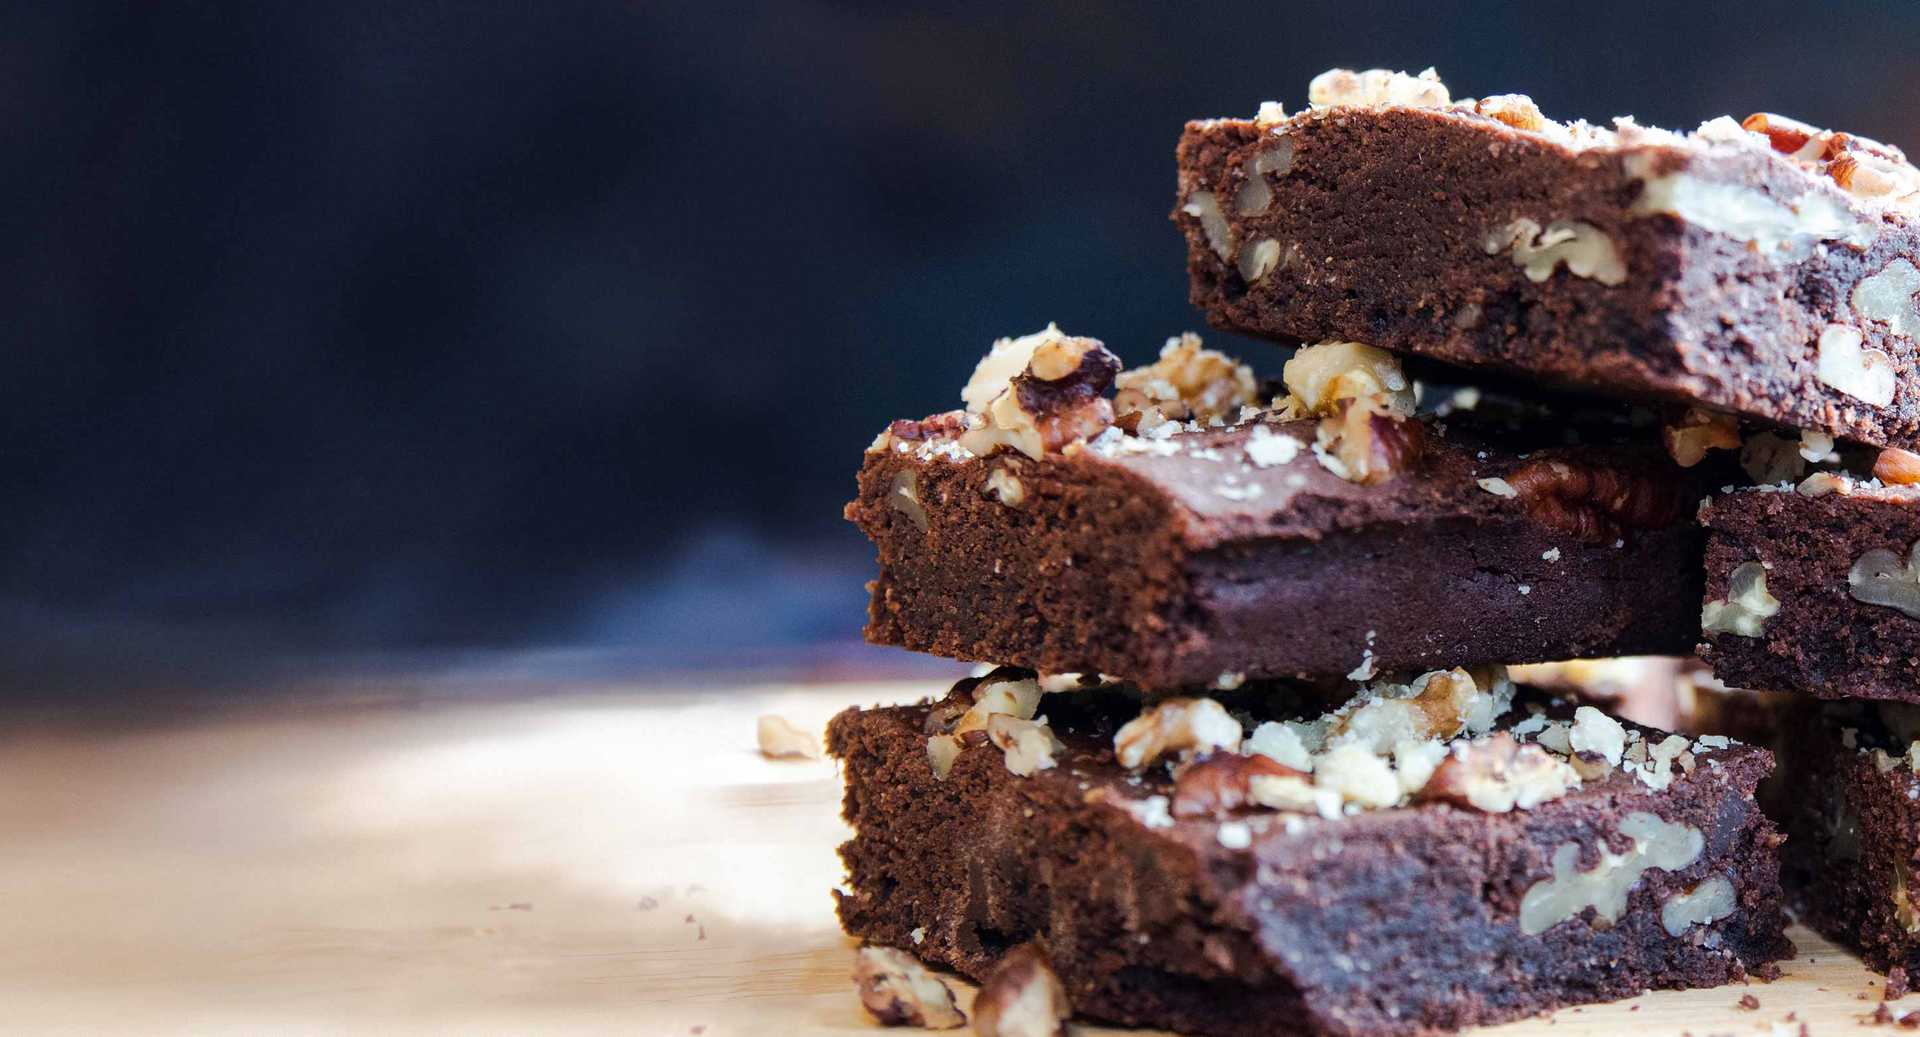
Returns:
<point x="1215" y="554"/>
<point x="1815" y="594"/>
<point x="1767" y="271"/>
<point x="1849" y="800"/>
<point x="1485" y="882"/>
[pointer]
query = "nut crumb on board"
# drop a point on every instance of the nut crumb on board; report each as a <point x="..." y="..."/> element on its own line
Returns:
<point x="782" y="739"/>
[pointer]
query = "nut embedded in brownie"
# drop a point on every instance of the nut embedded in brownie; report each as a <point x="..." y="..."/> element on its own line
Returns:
<point x="1816" y="589"/>
<point x="1437" y="853"/>
<point x="1765" y="268"/>
<point x="1332" y="532"/>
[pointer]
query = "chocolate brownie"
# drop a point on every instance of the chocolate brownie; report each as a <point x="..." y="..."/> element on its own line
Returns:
<point x="1815" y="590"/>
<point x="1765" y="269"/>
<point x="1848" y="798"/>
<point x="1217" y="553"/>
<point x="1520" y="856"/>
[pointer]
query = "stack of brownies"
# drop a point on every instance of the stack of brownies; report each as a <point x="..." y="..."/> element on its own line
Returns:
<point x="1248" y="758"/>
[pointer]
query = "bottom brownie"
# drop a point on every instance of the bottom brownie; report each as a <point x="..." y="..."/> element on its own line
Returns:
<point x="1430" y="867"/>
<point x="1849" y="799"/>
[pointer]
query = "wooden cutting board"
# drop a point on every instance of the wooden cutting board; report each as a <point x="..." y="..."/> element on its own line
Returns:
<point x="619" y="862"/>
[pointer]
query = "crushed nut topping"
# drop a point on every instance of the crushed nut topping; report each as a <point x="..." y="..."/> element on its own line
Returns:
<point x="1498" y="774"/>
<point x="1028" y="746"/>
<point x="1319" y="376"/>
<point x="1375" y="87"/>
<point x="899" y="991"/>
<point x="1747" y="606"/>
<point x="1176" y="725"/>
<point x="1189" y="381"/>
<point x="1057" y="397"/>
<point x="1367" y="442"/>
<point x="1881" y="577"/>
<point x="1220" y="783"/>
<point x="1867" y="169"/>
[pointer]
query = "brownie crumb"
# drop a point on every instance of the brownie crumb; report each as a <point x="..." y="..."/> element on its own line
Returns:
<point x="1749" y="1002"/>
<point x="1896" y="984"/>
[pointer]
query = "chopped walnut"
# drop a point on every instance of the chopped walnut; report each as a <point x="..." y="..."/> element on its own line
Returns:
<point x="1176" y="725"/>
<point x="1005" y="691"/>
<point x="1297" y="795"/>
<point x="1056" y="397"/>
<point x="1282" y="742"/>
<point x="1596" y="732"/>
<point x="1367" y="442"/>
<point x="1770" y="458"/>
<point x="1847" y="364"/>
<point x="1516" y="110"/>
<point x="1747" y="606"/>
<point x="1319" y="376"/>
<point x="1220" y="783"/>
<point x="1498" y="774"/>
<point x="1583" y="248"/>
<point x="781" y="738"/>
<point x="1881" y="577"/>
<point x="1205" y="207"/>
<point x="899" y="991"/>
<point x="1357" y="775"/>
<point x="1002" y="483"/>
<point x="942" y="750"/>
<point x="1022" y="998"/>
<point x="1028" y="746"/>
<point x="1699" y="431"/>
<point x="1890" y="298"/>
<point x="1596" y="503"/>
<point x="1375" y="87"/>
<point x="1897" y="467"/>
<point x="1869" y="170"/>
<point x="1188" y="381"/>
<point x="1440" y="704"/>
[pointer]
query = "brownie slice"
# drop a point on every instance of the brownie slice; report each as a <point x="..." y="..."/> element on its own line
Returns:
<point x="1768" y="271"/>
<point x="1848" y="798"/>
<point x="1174" y="901"/>
<point x="1212" y="554"/>
<point x="1815" y="594"/>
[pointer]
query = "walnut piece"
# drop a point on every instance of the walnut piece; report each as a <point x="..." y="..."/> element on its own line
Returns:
<point x="1889" y="297"/>
<point x="1022" y="998"/>
<point x="1846" y="364"/>
<point x="942" y="750"/>
<point x="1767" y="457"/>
<point x="903" y="496"/>
<point x="1205" y="207"/>
<point x="1498" y="774"/>
<point x="1657" y="843"/>
<point x="1897" y="467"/>
<point x="1367" y="442"/>
<point x="1872" y="172"/>
<point x="1880" y="577"/>
<point x="1585" y="249"/>
<point x="1375" y="87"/>
<point x="782" y="739"/>
<point x="1188" y="381"/>
<point x="1596" y="503"/>
<point x="1319" y="376"/>
<point x="1002" y="483"/>
<point x="1596" y="732"/>
<point x="1005" y="691"/>
<point x="1058" y="396"/>
<point x="1516" y="110"/>
<point x="1704" y="904"/>
<point x="1440" y="704"/>
<point x="1747" y="606"/>
<point x="1028" y="746"/>
<point x="899" y="991"/>
<point x="1194" y="725"/>
<point x="1699" y="431"/>
<point x="1218" y="784"/>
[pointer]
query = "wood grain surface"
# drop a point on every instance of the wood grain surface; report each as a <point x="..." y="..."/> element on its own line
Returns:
<point x="618" y="862"/>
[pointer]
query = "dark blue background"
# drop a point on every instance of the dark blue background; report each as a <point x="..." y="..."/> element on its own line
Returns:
<point x="348" y="328"/>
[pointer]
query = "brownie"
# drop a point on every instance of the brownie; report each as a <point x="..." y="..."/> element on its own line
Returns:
<point x="1847" y="797"/>
<point x="1815" y="594"/>
<point x="1213" y="554"/>
<point x="1206" y="913"/>
<point x="1728" y="267"/>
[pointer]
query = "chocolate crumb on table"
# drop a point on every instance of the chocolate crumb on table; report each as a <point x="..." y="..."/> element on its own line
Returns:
<point x="1211" y="864"/>
<point x="1763" y="267"/>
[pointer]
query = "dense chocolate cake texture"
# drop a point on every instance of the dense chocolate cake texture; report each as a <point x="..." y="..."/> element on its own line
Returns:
<point x="1763" y="268"/>
<point x="1191" y="532"/>
<point x="1434" y="854"/>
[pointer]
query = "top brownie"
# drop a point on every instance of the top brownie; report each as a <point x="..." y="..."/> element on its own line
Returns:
<point x="1762" y="268"/>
